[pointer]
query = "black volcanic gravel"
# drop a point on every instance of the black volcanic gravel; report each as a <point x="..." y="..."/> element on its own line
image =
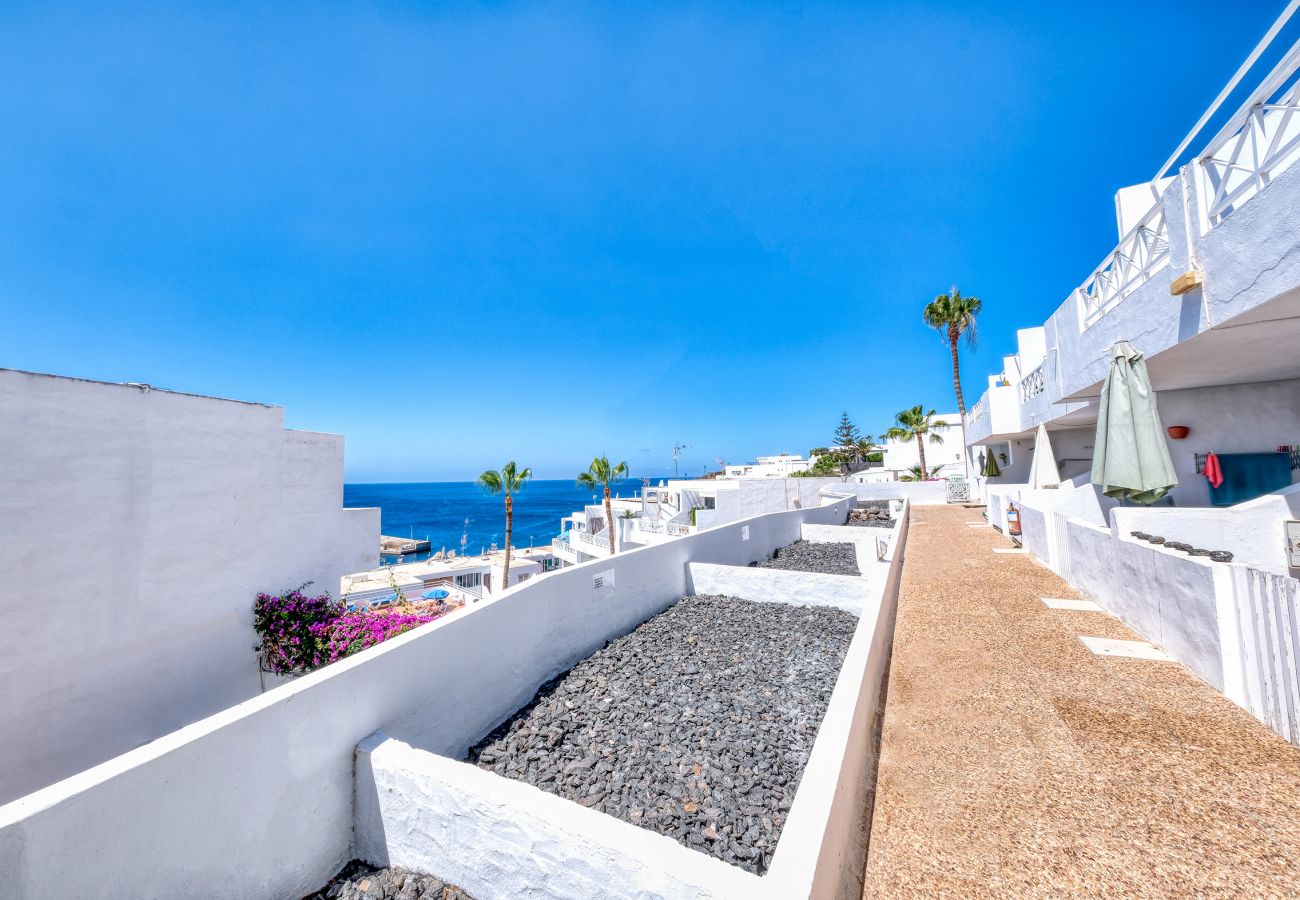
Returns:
<point x="809" y="556"/>
<point x="359" y="881"/>
<point x="696" y="725"/>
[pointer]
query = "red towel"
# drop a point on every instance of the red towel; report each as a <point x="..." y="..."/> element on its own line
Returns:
<point x="1212" y="470"/>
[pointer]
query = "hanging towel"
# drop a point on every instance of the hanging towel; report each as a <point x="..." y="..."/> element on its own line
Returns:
<point x="1250" y="475"/>
<point x="1212" y="470"/>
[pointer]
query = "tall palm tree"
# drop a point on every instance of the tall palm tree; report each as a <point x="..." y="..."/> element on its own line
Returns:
<point x="509" y="481"/>
<point x="915" y="422"/>
<point x="953" y="315"/>
<point x="601" y="472"/>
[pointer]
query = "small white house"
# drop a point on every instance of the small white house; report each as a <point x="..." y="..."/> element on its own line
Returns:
<point x="943" y="459"/>
<point x="782" y="465"/>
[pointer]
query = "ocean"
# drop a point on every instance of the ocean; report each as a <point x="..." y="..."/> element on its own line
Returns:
<point x="438" y="511"/>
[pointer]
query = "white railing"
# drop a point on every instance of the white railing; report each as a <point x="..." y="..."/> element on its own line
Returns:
<point x="598" y="542"/>
<point x="979" y="410"/>
<point x="1142" y="253"/>
<point x="1261" y="140"/>
<point x="669" y="528"/>
<point x="474" y="592"/>
<point x="1033" y="384"/>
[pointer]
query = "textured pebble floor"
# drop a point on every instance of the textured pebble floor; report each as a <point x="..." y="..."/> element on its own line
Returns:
<point x="807" y="556"/>
<point x="358" y="881"/>
<point x="696" y="725"/>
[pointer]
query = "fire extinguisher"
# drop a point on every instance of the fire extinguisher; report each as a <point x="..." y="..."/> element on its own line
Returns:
<point x="1013" y="520"/>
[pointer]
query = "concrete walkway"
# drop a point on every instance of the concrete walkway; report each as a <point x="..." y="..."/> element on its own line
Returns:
<point x="1016" y="762"/>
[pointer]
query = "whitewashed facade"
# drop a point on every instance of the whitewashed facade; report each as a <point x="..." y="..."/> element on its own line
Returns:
<point x="136" y="527"/>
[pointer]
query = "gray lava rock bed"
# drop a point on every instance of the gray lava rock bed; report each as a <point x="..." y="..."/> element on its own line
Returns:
<point x="871" y="514"/>
<point x="806" y="556"/>
<point x="359" y="881"/>
<point x="696" y="725"/>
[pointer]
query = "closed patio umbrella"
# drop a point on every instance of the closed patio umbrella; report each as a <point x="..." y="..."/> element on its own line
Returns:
<point x="1043" y="472"/>
<point x="1131" y="459"/>
<point x="990" y="467"/>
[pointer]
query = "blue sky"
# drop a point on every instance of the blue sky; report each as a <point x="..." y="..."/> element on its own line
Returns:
<point x="463" y="233"/>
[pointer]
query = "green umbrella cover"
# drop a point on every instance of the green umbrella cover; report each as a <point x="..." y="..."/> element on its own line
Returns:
<point x="1131" y="459"/>
<point x="990" y="464"/>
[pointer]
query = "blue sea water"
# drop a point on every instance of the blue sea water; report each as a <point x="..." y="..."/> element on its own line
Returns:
<point x="438" y="510"/>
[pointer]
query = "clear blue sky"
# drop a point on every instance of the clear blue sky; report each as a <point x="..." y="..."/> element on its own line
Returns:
<point x="463" y="233"/>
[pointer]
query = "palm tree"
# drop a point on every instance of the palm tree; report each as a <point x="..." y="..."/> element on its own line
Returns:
<point x="602" y="473"/>
<point x="916" y="473"/>
<point x="864" y="446"/>
<point x="953" y="315"/>
<point x="509" y="481"/>
<point x="915" y="422"/>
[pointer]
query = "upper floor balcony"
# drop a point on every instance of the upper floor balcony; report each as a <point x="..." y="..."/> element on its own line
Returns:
<point x="1204" y="281"/>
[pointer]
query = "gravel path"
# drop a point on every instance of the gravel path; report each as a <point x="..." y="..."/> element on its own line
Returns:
<point x="359" y="881"/>
<point x="697" y="725"/>
<point x="806" y="556"/>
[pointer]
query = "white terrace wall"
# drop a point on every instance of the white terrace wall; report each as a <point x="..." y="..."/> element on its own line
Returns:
<point x="262" y="794"/>
<point x="135" y="528"/>
<point x="917" y="493"/>
<point x="503" y="839"/>
<point x="745" y="498"/>
<point x="1251" y="531"/>
<point x="1232" y="624"/>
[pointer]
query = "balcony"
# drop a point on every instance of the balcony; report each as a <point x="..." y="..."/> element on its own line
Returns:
<point x="1141" y="253"/>
<point x="591" y="544"/>
<point x="996" y="415"/>
<point x="1256" y="144"/>
<point x="564" y="550"/>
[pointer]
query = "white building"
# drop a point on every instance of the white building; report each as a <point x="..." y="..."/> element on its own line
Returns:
<point x="469" y="578"/>
<point x="943" y="459"/>
<point x="136" y="528"/>
<point x="782" y="465"/>
<point x="1205" y="283"/>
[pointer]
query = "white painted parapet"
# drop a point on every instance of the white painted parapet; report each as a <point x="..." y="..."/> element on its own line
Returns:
<point x="1234" y="625"/>
<point x="136" y="527"/>
<point x="262" y="793"/>
<point x="501" y="839"/>
<point x="847" y="592"/>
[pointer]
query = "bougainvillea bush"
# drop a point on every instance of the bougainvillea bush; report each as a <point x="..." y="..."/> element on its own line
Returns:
<point x="287" y="624"/>
<point x="354" y="632"/>
<point x="301" y="633"/>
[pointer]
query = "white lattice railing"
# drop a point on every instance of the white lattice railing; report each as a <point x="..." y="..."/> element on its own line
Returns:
<point x="1261" y="140"/>
<point x="1033" y="384"/>
<point x="671" y="528"/>
<point x="979" y="410"/>
<point x="1143" y="252"/>
<point x="599" y="543"/>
